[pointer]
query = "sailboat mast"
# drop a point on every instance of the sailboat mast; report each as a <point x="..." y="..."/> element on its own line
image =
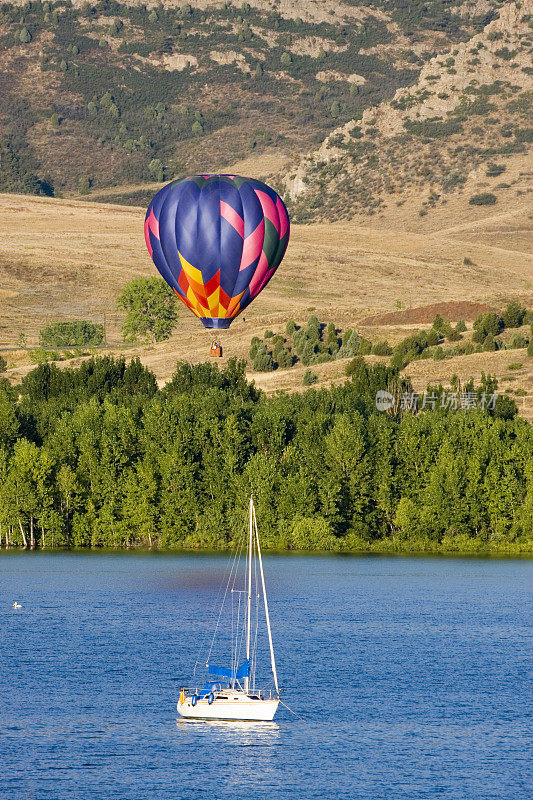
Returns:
<point x="267" y="615"/>
<point x="249" y="611"/>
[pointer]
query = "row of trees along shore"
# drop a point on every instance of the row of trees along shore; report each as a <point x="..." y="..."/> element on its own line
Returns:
<point x="98" y="456"/>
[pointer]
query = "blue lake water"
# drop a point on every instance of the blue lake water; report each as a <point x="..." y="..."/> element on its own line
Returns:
<point x="411" y="676"/>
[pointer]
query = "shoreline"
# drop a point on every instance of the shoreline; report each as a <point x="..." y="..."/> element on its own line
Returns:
<point x="522" y="551"/>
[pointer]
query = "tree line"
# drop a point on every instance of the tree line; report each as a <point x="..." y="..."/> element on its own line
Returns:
<point x="99" y="456"/>
<point x="316" y="342"/>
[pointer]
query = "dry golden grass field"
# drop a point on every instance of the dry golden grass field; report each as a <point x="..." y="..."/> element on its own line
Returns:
<point x="68" y="259"/>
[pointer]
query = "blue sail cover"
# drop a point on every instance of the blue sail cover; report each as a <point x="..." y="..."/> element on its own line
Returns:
<point x="224" y="672"/>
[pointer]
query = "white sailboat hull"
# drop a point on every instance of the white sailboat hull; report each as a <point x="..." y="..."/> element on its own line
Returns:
<point x="238" y="707"/>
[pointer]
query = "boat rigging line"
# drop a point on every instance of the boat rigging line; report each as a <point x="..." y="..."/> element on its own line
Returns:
<point x="292" y="712"/>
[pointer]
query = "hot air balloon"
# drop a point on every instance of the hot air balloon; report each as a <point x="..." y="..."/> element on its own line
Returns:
<point x="217" y="240"/>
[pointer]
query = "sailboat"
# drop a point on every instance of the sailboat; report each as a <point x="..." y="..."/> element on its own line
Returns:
<point x="230" y="692"/>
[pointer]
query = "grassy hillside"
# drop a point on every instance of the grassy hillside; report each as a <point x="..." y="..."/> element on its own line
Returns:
<point x="97" y="95"/>
<point x="64" y="259"/>
<point x="462" y="131"/>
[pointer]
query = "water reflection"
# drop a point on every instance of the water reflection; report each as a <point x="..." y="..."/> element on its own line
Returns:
<point x="250" y="749"/>
<point x="265" y="731"/>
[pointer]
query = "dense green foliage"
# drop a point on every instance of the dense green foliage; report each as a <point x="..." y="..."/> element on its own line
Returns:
<point x="381" y="348"/>
<point x="314" y="343"/>
<point x="75" y="333"/>
<point x="514" y="315"/>
<point x="485" y="337"/>
<point x="100" y="457"/>
<point x="487" y="325"/>
<point x="150" y="306"/>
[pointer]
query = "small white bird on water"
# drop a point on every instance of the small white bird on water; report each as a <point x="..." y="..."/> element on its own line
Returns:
<point x="16" y="605"/>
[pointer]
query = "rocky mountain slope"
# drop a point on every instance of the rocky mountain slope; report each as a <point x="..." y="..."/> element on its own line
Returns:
<point x="464" y="127"/>
<point x="101" y="94"/>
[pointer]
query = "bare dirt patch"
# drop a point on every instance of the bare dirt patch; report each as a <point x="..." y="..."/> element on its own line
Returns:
<point x="452" y="311"/>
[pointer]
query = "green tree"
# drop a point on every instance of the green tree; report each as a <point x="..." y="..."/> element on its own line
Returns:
<point x="308" y="353"/>
<point x="263" y="361"/>
<point x="493" y="170"/>
<point x="311" y="533"/>
<point x="514" y="314"/>
<point x="309" y="378"/>
<point x="530" y="345"/>
<point x="407" y="518"/>
<point x="75" y="333"/>
<point x="29" y="482"/>
<point x="332" y="339"/>
<point x="138" y="513"/>
<point x="486" y="325"/>
<point x="489" y="343"/>
<point x="150" y="307"/>
<point x="84" y="184"/>
<point x="9" y="424"/>
<point x="350" y="345"/>
<point x="438" y="324"/>
<point x="255" y="345"/>
<point x="381" y="348"/>
<point x="483" y="199"/>
<point x="157" y="170"/>
<point x="505" y="407"/>
<point x="454" y="336"/>
<point x="68" y="490"/>
<point x="290" y="328"/>
<point x="346" y="454"/>
<point x="282" y="356"/>
<point x="312" y="329"/>
<point x="433" y="337"/>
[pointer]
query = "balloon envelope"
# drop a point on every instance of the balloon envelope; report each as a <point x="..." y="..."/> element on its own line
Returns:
<point x="217" y="240"/>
